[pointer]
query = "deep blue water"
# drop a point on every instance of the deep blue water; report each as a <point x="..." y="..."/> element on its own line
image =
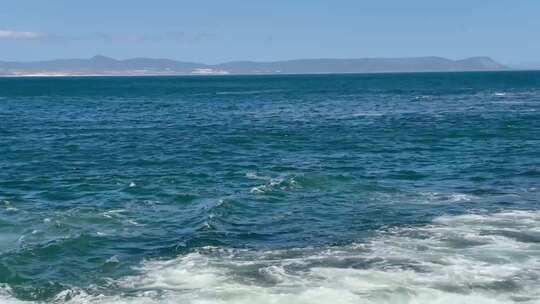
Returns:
<point x="391" y="188"/>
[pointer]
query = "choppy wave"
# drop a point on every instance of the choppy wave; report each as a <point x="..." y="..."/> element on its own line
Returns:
<point x="275" y="183"/>
<point x="284" y="182"/>
<point x="100" y="175"/>
<point x="474" y="258"/>
<point x="432" y="197"/>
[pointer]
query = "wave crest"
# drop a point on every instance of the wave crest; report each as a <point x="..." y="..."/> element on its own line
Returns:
<point x="475" y="258"/>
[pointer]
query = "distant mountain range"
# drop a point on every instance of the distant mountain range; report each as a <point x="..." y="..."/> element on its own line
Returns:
<point x="106" y="66"/>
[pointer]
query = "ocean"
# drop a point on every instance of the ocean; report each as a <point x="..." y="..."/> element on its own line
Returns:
<point x="384" y="188"/>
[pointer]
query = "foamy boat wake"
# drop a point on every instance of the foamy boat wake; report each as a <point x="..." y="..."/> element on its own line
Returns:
<point x="493" y="258"/>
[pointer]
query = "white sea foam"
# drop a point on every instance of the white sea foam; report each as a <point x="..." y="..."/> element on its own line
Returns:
<point x="9" y="207"/>
<point x="115" y="213"/>
<point x="283" y="183"/>
<point x="448" y="197"/>
<point x="474" y="258"/>
<point x="273" y="183"/>
<point x="276" y="184"/>
<point x="5" y="296"/>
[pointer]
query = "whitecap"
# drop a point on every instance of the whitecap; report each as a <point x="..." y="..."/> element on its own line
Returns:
<point x="434" y="197"/>
<point x="9" y="207"/>
<point x="133" y="222"/>
<point x="459" y="197"/>
<point x="115" y="213"/>
<point x="473" y="258"/>
<point x="6" y="296"/>
<point x="114" y="259"/>
<point x="282" y="183"/>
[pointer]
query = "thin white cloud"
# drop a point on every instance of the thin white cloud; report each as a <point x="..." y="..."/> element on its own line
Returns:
<point x="173" y="37"/>
<point x="17" y="35"/>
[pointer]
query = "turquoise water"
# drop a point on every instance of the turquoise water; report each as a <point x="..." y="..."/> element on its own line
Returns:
<point x="399" y="188"/>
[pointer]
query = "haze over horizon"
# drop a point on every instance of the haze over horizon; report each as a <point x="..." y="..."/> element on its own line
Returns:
<point x="215" y="32"/>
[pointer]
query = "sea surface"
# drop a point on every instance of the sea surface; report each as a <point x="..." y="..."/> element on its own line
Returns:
<point x="390" y="188"/>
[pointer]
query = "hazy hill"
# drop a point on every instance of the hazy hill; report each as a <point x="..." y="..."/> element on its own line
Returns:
<point x="101" y="65"/>
<point x="368" y="65"/>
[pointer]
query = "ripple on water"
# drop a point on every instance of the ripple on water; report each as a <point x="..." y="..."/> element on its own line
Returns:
<point x="281" y="175"/>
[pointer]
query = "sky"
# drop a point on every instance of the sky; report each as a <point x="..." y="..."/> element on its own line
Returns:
<point x="218" y="31"/>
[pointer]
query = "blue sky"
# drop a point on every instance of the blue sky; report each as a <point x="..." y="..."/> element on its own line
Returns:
<point x="223" y="30"/>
